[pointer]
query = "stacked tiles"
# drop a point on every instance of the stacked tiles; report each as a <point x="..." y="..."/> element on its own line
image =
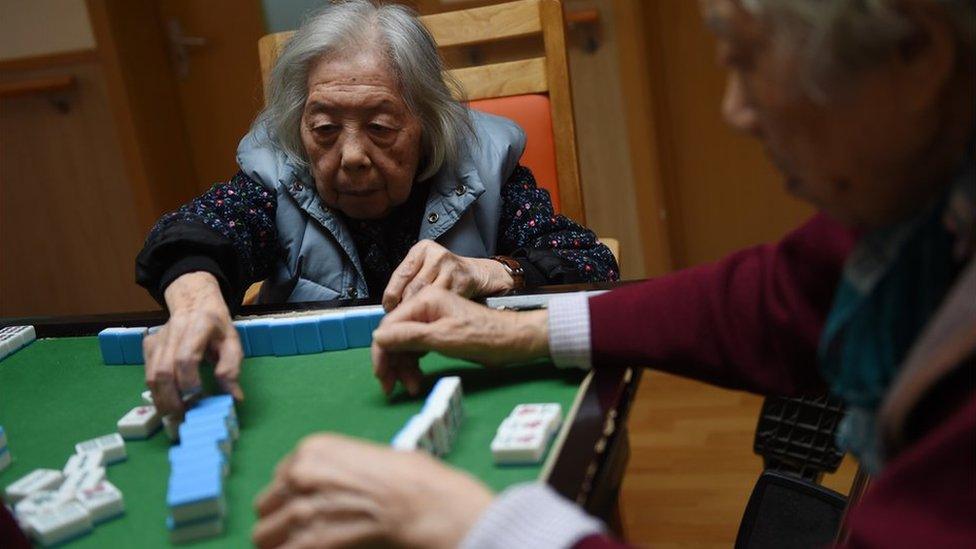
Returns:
<point x="434" y="430"/>
<point x="13" y="338"/>
<point x="122" y="345"/>
<point x="55" y="506"/>
<point x="523" y="437"/>
<point x="276" y="336"/>
<point x="198" y="467"/>
<point x="5" y="458"/>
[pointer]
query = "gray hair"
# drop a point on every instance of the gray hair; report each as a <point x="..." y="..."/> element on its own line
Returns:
<point x="837" y="39"/>
<point x="342" y="26"/>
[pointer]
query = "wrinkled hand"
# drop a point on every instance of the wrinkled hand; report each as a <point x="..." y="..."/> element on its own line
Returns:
<point x="438" y="320"/>
<point x="334" y="491"/>
<point x="199" y="325"/>
<point x="430" y="264"/>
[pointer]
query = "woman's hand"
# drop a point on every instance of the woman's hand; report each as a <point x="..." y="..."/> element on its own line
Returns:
<point x="430" y="264"/>
<point x="199" y="325"/>
<point x="335" y="491"/>
<point x="438" y="320"/>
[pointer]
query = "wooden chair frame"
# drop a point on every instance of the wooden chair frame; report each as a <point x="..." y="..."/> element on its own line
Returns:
<point x="548" y="74"/>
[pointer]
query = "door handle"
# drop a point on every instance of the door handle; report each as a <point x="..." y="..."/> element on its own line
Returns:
<point x="179" y="47"/>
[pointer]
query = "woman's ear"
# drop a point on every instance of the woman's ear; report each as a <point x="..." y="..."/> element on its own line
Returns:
<point x="925" y="61"/>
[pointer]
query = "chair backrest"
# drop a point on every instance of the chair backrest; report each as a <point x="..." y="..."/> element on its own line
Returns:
<point x="533" y="92"/>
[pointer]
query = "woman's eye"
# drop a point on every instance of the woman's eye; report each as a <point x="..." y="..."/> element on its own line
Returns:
<point x="379" y="128"/>
<point x="325" y="129"/>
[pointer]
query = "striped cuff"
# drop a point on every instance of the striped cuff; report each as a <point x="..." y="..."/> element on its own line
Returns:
<point x="569" y="331"/>
<point x="531" y="515"/>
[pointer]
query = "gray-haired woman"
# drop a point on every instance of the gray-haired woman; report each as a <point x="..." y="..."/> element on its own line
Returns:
<point x="362" y="177"/>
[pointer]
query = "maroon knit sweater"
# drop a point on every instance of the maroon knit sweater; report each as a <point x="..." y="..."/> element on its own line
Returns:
<point x="752" y="321"/>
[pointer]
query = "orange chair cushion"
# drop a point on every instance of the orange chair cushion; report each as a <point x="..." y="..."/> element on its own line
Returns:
<point x="531" y="112"/>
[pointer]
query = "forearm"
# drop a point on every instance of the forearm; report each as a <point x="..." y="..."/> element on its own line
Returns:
<point x="751" y="321"/>
<point x="551" y="248"/>
<point x="228" y="232"/>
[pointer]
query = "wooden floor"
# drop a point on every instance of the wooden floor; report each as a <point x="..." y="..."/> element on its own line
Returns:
<point x="692" y="468"/>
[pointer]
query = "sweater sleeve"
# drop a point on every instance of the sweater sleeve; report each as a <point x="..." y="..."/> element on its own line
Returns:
<point x="750" y="321"/>
<point x="551" y="248"/>
<point x="229" y="231"/>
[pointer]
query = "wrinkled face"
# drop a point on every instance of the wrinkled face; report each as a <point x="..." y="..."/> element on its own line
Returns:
<point x="362" y="141"/>
<point x="849" y="155"/>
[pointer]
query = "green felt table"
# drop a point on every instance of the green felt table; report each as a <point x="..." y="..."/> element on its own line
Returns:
<point x="57" y="392"/>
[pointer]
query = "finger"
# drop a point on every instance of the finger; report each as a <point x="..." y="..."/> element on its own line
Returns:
<point x="403" y="274"/>
<point x="407" y="336"/>
<point x="228" y="368"/>
<point x="278" y="492"/>
<point x="424" y="307"/>
<point x="427" y="274"/>
<point x="193" y="342"/>
<point x="161" y="376"/>
<point x="407" y="368"/>
<point x="382" y="370"/>
<point x="274" y="529"/>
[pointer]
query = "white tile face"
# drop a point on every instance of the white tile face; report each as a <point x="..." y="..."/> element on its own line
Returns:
<point x="42" y="500"/>
<point x="39" y="479"/>
<point x="60" y="524"/>
<point x="103" y="501"/>
<point x="112" y="445"/>
<point x="519" y="448"/>
<point x="81" y="480"/>
<point x="139" y="422"/>
<point x="86" y="460"/>
<point x="147" y="398"/>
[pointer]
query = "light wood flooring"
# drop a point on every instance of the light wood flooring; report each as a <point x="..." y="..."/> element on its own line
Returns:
<point x="692" y="468"/>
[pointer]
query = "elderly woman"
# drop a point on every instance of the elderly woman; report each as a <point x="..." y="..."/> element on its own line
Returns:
<point x="868" y="108"/>
<point x="363" y="177"/>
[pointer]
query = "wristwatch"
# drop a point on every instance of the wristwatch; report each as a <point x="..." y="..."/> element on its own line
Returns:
<point x="514" y="269"/>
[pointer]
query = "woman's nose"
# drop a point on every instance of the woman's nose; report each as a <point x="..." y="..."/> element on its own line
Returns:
<point x="736" y="107"/>
<point x="354" y="154"/>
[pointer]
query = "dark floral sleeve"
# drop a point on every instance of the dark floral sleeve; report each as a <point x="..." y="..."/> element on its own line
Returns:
<point x="229" y="231"/>
<point x="552" y="248"/>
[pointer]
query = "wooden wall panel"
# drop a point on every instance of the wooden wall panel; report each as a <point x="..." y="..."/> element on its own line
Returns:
<point x="68" y="230"/>
<point x="722" y="193"/>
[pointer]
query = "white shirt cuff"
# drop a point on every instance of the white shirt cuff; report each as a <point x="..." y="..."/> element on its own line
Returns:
<point x="569" y="331"/>
<point x="531" y="515"/>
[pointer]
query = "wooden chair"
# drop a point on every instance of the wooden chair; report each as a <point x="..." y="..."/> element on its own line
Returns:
<point x="534" y="92"/>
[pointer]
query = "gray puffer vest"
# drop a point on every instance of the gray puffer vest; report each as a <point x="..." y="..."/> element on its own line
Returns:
<point x="320" y="261"/>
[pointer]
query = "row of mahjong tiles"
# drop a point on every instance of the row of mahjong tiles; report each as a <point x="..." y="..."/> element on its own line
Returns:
<point x="55" y="506"/>
<point x="273" y="336"/>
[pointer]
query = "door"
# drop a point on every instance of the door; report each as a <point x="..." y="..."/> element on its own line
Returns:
<point x="213" y="47"/>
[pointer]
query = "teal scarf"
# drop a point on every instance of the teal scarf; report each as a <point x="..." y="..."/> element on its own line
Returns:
<point x="892" y="284"/>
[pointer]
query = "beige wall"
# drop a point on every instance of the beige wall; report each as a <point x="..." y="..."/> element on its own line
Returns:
<point x="42" y="27"/>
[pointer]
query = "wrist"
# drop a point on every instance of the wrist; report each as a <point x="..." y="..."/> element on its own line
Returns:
<point x="515" y="274"/>
<point x="532" y="331"/>
<point x="192" y="289"/>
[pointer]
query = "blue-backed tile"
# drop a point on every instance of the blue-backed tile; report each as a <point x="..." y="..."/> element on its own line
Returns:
<point x="359" y="331"/>
<point x="203" y="485"/>
<point x="242" y="334"/>
<point x="283" y="337"/>
<point x="332" y="331"/>
<point x="111" y="346"/>
<point x="218" y="433"/>
<point x="376" y="317"/>
<point x="307" y="335"/>
<point x="190" y="452"/>
<point x="130" y="339"/>
<point x="223" y="402"/>
<point x="259" y="337"/>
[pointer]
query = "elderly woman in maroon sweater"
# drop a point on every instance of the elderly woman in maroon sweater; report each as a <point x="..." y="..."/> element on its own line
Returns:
<point x="868" y="109"/>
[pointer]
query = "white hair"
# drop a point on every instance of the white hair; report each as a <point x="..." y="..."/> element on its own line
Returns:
<point x="343" y="26"/>
<point x="836" y="39"/>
